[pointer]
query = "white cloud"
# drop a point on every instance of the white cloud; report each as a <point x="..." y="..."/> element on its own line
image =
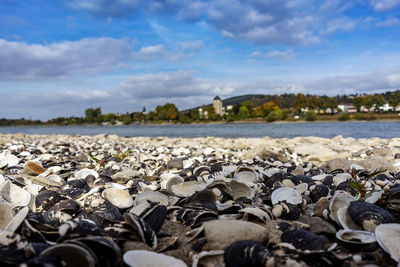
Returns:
<point x="299" y="22"/>
<point x="19" y="60"/>
<point x="280" y="55"/>
<point x="390" y="22"/>
<point x="384" y="5"/>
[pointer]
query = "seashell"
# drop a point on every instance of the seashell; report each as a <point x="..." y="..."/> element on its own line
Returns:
<point x="304" y="240"/>
<point x="290" y="195"/>
<point x="246" y="253"/>
<point x="78" y="227"/>
<point x="152" y="212"/>
<point x="319" y="177"/>
<point x="72" y="254"/>
<point x="388" y="237"/>
<point x="46" y="199"/>
<point x="374" y="197"/>
<point x="8" y="160"/>
<point x="69" y="206"/>
<point x="176" y="179"/>
<point x="186" y="189"/>
<point x="143" y="258"/>
<point x="15" y="195"/>
<point x="107" y="252"/>
<point x="33" y="168"/>
<point x="82" y="174"/>
<point x="356" y="237"/>
<point x="339" y="200"/>
<point x="195" y="213"/>
<point x="345" y="219"/>
<point x="208" y="258"/>
<point x="245" y="175"/>
<point x="144" y="230"/>
<point x="369" y="215"/>
<point x="240" y="190"/>
<point x="118" y="197"/>
<point x="222" y="233"/>
<point x="258" y="213"/>
<point x="17" y="220"/>
<point x="6" y="214"/>
<point x="318" y="191"/>
<point x="201" y="170"/>
<point x="152" y="196"/>
<point x="286" y="211"/>
<point x="12" y="248"/>
<point x="48" y="219"/>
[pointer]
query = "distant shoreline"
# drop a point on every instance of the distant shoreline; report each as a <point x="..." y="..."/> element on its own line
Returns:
<point x="250" y="121"/>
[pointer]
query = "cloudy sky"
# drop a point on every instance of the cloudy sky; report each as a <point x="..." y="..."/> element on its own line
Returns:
<point x="58" y="57"/>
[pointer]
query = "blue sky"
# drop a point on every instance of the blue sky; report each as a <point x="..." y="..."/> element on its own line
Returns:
<point x="58" y="58"/>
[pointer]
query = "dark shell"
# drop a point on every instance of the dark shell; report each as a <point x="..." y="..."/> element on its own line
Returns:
<point x="12" y="249"/>
<point x="77" y="228"/>
<point x="369" y="215"/>
<point x="47" y="219"/>
<point x="47" y="199"/>
<point x="108" y="212"/>
<point x="197" y="212"/>
<point x="107" y="252"/>
<point x="69" y="206"/>
<point x="72" y="254"/>
<point x="289" y="211"/>
<point x="246" y="253"/>
<point x="144" y="230"/>
<point x="303" y="179"/>
<point x="74" y="188"/>
<point x="345" y="186"/>
<point x="156" y="217"/>
<point x="318" y="191"/>
<point x="304" y="240"/>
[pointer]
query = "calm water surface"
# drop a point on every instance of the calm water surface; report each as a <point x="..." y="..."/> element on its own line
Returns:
<point x="275" y="130"/>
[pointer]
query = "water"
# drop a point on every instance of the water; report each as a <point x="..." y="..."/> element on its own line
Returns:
<point x="275" y="130"/>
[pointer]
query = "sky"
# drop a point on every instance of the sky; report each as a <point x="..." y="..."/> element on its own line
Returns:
<point x="59" y="57"/>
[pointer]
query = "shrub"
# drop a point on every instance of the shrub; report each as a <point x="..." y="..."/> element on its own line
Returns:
<point x="310" y="116"/>
<point x="274" y="116"/>
<point x="344" y="117"/>
<point x="358" y="116"/>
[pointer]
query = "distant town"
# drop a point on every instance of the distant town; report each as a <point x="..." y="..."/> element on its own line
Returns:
<point x="251" y="108"/>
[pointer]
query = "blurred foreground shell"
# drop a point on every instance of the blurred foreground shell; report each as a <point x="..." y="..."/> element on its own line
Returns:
<point x="143" y="258"/>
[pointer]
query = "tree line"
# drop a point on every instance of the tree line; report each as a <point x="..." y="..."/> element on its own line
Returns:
<point x="268" y="107"/>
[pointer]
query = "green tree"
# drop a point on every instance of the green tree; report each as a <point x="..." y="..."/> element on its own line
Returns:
<point x="358" y="101"/>
<point x="394" y="99"/>
<point x="243" y="113"/>
<point x="378" y="100"/>
<point x="300" y="102"/>
<point x="331" y="103"/>
<point x="93" y="115"/>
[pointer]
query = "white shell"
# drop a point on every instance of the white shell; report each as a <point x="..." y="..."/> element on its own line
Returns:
<point x="14" y="194"/>
<point x="8" y="159"/>
<point x="118" y="197"/>
<point x="287" y="194"/>
<point x="388" y="237"/>
<point x="6" y="214"/>
<point x="345" y="220"/>
<point x="153" y="196"/>
<point x="356" y="236"/>
<point x="319" y="177"/>
<point x="245" y="175"/>
<point x="144" y="258"/>
<point x="13" y="225"/>
<point x="339" y="200"/>
<point x="82" y="174"/>
<point x="187" y="189"/>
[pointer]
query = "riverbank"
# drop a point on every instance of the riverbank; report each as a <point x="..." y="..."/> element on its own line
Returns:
<point x="192" y="201"/>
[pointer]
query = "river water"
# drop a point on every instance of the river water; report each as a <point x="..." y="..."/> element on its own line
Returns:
<point x="274" y="130"/>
